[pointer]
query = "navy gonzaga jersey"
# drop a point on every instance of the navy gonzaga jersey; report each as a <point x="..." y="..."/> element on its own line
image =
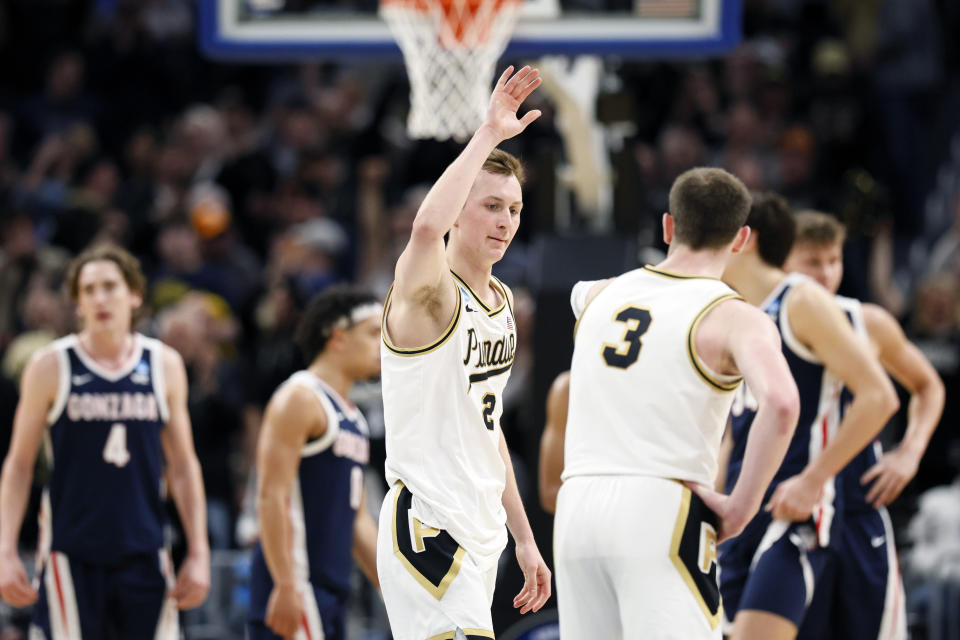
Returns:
<point x="325" y="497"/>
<point x="104" y="500"/>
<point x="820" y="413"/>
<point x="854" y="493"/>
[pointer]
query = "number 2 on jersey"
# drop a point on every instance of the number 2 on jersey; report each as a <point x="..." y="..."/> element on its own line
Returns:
<point x="489" y="404"/>
<point x="638" y="321"/>
<point x="115" y="451"/>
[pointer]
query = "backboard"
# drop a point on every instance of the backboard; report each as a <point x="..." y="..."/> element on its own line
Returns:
<point x="297" y="30"/>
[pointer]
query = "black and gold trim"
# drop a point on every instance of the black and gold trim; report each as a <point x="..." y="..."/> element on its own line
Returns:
<point x="489" y="373"/>
<point x="673" y="275"/>
<point x="693" y="551"/>
<point x="506" y="298"/>
<point x="483" y="305"/>
<point x="433" y="345"/>
<point x="434" y="558"/>
<point x="702" y="370"/>
<point x="471" y="634"/>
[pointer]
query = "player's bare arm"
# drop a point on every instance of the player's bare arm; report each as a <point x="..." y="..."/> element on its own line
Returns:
<point x="907" y="364"/>
<point x="186" y="486"/>
<point x="38" y="389"/>
<point x="536" y="575"/>
<point x="820" y="325"/>
<point x="551" y="442"/>
<point x="424" y="295"/>
<point x="723" y="460"/>
<point x="736" y="337"/>
<point x="291" y="418"/>
<point x="365" y="542"/>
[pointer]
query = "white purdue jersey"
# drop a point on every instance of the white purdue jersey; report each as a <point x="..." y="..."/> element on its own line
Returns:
<point x="442" y="405"/>
<point x="641" y="401"/>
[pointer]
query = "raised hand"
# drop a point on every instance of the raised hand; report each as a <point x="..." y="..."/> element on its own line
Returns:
<point x="511" y="90"/>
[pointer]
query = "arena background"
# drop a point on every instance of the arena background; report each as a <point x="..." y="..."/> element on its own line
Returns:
<point x="248" y="177"/>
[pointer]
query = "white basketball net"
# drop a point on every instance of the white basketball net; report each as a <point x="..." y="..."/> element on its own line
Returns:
<point x="450" y="53"/>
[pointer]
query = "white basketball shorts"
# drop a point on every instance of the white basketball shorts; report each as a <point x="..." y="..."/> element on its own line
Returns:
<point x="636" y="558"/>
<point x="433" y="588"/>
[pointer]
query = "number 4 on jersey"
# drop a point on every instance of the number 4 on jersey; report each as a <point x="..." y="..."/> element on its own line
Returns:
<point x="115" y="451"/>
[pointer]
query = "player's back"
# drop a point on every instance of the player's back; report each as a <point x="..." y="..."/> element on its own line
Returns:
<point x="641" y="400"/>
<point x="104" y="501"/>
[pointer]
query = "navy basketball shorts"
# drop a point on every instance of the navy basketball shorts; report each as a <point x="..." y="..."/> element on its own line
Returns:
<point x="122" y="602"/>
<point x="867" y="600"/>
<point x="776" y="567"/>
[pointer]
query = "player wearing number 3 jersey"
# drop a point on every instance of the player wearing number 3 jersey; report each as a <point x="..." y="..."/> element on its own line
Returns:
<point x="110" y="407"/>
<point x="448" y="344"/>
<point x="658" y="352"/>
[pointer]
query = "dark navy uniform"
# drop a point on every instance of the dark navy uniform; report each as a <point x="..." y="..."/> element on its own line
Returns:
<point x="867" y="600"/>
<point x="323" y="504"/>
<point x="776" y="566"/>
<point x="104" y="571"/>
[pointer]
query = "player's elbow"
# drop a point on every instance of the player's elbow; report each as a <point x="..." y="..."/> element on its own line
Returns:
<point x="425" y="229"/>
<point x="784" y="404"/>
<point x="888" y="399"/>
<point x="934" y="389"/>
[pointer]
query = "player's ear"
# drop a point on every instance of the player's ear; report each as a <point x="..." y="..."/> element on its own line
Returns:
<point x="136" y="300"/>
<point x="743" y="240"/>
<point x="336" y="337"/>
<point x="668" y="228"/>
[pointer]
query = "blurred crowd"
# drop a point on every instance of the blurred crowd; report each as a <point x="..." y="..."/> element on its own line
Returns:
<point x="245" y="189"/>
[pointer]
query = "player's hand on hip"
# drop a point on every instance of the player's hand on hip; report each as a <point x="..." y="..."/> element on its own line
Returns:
<point x="284" y="610"/>
<point x="890" y="475"/>
<point x="15" y="588"/>
<point x="193" y="582"/>
<point x="536" y="578"/>
<point x="795" y="498"/>
<point x="732" y="521"/>
<point x="511" y="90"/>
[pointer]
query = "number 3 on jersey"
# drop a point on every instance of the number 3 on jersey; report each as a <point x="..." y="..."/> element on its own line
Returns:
<point x="638" y="321"/>
<point x="115" y="451"/>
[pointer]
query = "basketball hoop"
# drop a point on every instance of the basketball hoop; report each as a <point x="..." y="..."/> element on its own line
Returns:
<point x="450" y="48"/>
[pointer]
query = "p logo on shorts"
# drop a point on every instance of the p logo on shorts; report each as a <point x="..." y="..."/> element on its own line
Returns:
<point x="431" y="555"/>
<point x="693" y="551"/>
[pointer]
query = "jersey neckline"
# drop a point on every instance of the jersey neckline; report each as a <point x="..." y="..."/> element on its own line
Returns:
<point x="110" y="375"/>
<point x="677" y="276"/>
<point x="495" y="283"/>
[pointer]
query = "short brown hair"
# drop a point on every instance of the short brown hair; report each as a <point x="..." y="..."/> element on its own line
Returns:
<point x="505" y="164"/>
<point x="127" y="263"/>
<point x="818" y="228"/>
<point x="772" y="221"/>
<point x="708" y="207"/>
